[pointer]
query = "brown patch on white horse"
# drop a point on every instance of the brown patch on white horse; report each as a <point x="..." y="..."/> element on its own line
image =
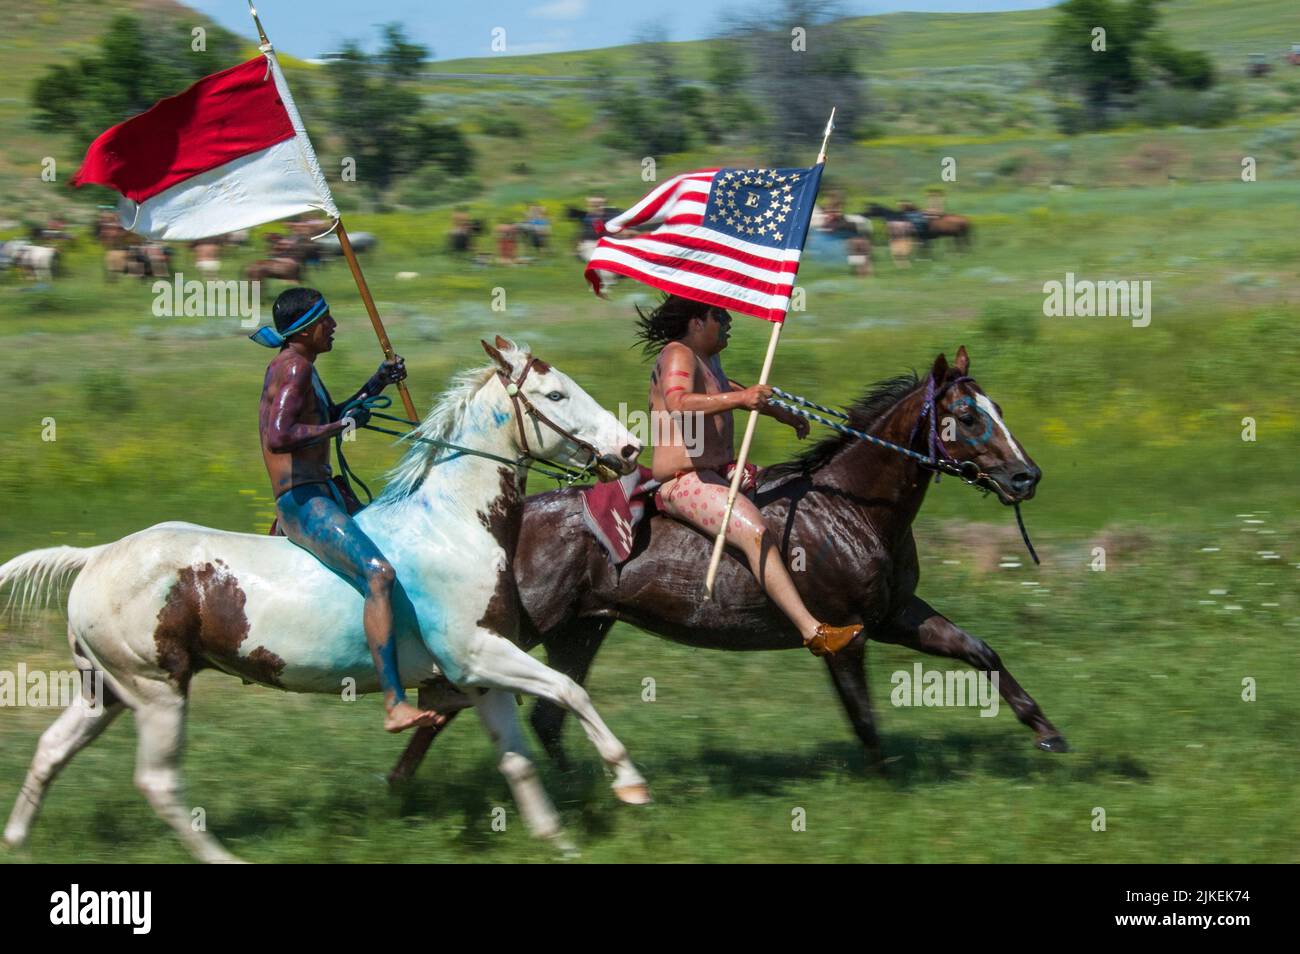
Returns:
<point x="203" y="624"/>
<point x="502" y="519"/>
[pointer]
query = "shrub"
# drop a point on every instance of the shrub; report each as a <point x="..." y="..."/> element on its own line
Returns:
<point x="505" y="127"/>
<point x="1006" y="322"/>
<point x="1170" y="106"/>
<point x="108" y="392"/>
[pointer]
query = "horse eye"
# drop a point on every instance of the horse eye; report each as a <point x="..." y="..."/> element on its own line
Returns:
<point x="968" y="420"/>
<point x="555" y="396"/>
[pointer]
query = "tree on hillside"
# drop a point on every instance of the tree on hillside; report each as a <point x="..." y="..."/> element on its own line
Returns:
<point x="1136" y="55"/>
<point x="650" y="110"/>
<point x="732" y="108"/>
<point x="771" y="79"/>
<point x="133" y="68"/>
<point x="379" y="115"/>
<point x="798" y="60"/>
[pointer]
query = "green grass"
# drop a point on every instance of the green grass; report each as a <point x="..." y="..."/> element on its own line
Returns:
<point x="1143" y="680"/>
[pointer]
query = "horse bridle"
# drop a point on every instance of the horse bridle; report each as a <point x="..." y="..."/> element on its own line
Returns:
<point x="944" y="462"/>
<point x="524" y="407"/>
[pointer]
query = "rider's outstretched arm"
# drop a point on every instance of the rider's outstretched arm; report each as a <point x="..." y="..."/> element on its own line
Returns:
<point x="677" y="370"/>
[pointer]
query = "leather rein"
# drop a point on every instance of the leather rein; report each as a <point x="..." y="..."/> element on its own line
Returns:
<point x="524" y="407"/>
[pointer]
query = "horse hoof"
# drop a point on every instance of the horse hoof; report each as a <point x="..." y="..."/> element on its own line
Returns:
<point x="638" y="794"/>
<point x="1053" y="743"/>
<point x="565" y="848"/>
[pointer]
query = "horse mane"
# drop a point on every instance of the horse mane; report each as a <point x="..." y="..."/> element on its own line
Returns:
<point x="441" y="423"/>
<point x="863" y="414"/>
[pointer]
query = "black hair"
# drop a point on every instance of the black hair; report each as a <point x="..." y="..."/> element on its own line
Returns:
<point x="669" y="321"/>
<point x="292" y="304"/>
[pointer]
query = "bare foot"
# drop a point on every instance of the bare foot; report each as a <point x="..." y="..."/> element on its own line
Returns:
<point x="403" y="715"/>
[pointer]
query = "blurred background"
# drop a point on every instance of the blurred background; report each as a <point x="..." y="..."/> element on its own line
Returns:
<point x="1172" y="159"/>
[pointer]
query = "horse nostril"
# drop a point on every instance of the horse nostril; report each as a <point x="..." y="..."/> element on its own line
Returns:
<point x="1025" y="479"/>
<point x="630" y="451"/>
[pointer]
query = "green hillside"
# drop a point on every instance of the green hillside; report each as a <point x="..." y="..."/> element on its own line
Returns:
<point x="910" y="41"/>
<point x="957" y="77"/>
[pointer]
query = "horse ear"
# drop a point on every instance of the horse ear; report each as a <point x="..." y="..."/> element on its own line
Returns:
<point x="497" y="356"/>
<point x="505" y="344"/>
<point x="940" y="369"/>
<point x="962" y="361"/>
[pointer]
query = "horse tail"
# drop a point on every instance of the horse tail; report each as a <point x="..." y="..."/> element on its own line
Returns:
<point x="42" y="571"/>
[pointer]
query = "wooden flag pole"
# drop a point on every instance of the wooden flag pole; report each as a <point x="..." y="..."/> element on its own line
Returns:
<point x="720" y="541"/>
<point x="345" y="244"/>
<point x="261" y="34"/>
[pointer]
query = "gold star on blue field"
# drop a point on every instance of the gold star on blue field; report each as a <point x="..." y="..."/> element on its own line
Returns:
<point x="746" y="204"/>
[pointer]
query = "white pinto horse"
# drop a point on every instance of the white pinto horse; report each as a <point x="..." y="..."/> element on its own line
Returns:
<point x="38" y="261"/>
<point x="153" y="608"/>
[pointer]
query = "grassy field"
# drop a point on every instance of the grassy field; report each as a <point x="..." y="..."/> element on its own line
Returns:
<point x="1137" y="665"/>
<point x="1138" y="432"/>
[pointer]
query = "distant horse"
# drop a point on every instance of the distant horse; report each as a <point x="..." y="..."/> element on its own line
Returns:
<point x="288" y="269"/>
<point x="149" y="260"/>
<point x="901" y="236"/>
<point x="328" y="246"/>
<point x="845" y="505"/>
<point x="207" y="256"/>
<point x="37" y="262"/>
<point x="110" y="234"/>
<point x="152" y="609"/>
<point x="460" y="239"/>
<point x="928" y="225"/>
<point x="956" y="227"/>
<point x="294" y="246"/>
<point x="589" y="231"/>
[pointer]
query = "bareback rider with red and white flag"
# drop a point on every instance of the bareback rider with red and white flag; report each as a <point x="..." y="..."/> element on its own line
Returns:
<point x="296" y="421"/>
<point x="688" y="380"/>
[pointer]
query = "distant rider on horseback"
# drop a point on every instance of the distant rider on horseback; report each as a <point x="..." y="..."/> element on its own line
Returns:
<point x="296" y="421"/>
<point x="688" y="382"/>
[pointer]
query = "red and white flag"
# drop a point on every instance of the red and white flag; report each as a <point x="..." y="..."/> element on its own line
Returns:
<point x="228" y="153"/>
<point x="727" y="237"/>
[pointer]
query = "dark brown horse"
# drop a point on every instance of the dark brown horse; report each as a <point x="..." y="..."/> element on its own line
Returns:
<point x="842" y="513"/>
<point x="956" y="227"/>
<point x="288" y="269"/>
<point x="927" y="225"/>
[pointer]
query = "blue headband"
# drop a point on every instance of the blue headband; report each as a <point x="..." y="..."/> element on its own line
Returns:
<point x="270" y="338"/>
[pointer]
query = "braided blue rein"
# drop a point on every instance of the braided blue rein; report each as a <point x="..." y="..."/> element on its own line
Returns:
<point x="967" y="472"/>
<point x="945" y="463"/>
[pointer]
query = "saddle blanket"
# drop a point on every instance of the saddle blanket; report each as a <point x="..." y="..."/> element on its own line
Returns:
<point x="613" y="510"/>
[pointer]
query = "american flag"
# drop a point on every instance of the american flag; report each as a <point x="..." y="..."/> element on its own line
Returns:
<point x="727" y="237"/>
